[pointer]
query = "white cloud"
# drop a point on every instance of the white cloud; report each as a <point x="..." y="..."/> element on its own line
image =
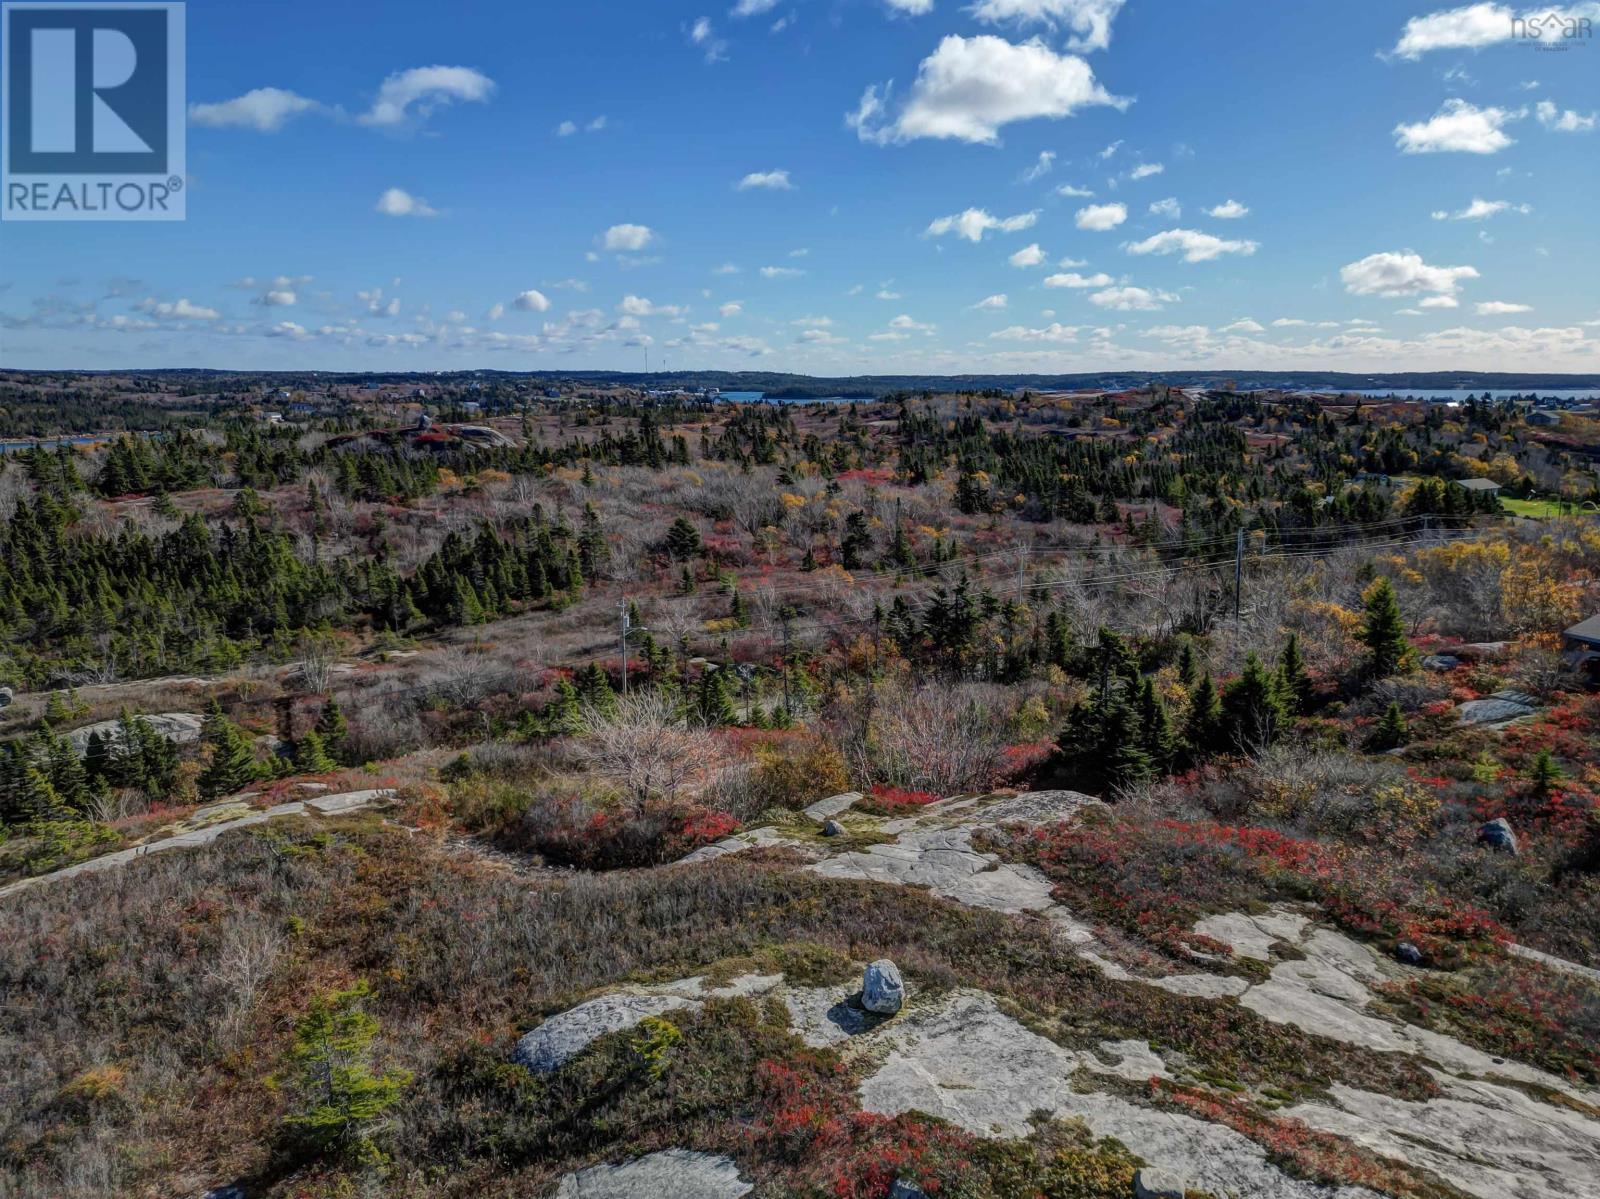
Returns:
<point x="727" y="268"/>
<point x="968" y="88"/>
<point x="886" y="293"/>
<point x="566" y="129"/>
<point x="1028" y="256"/>
<point x="703" y="35"/>
<point x="912" y="8"/>
<point x="1228" y="210"/>
<point x="904" y="323"/>
<point x="1145" y="170"/>
<point x="1074" y="192"/>
<point x="496" y="311"/>
<point x="1501" y="308"/>
<point x="1073" y="279"/>
<point x="265" y="110"/>
<point x="1109" y="151"/>
<point x="781" y="272"/>
<point x="813" y="322"/>
<point x="975" y="222"/>
<point x="1478" y="25"/>
<point x="278" y="297"/>
<point x="1481" y="210"/>
<point x="991" y="304"/>
<point x="1438" y="302"/>
<point x="638" y="306"/>
<point x="1402" y="274"/>
<point x="627" y="238"/>
<point x="1243" y="325"/>
<point x="1132" y="299"/>
<point x="1168" y="208"/>
<point x="1563" y="121"/>
<point x="569" y="128"/>
<point x="1089" y="20"/>
<point x="769" y="180"/>
<point x="1457" y="127"/>
<point x="1045" y="164"/>
<point x="1050" y="333"/>
<point x="1101" y="217"/>
<point x="731" y="308"/>
<point x="424" y="89"/>
<point x="752" y="8"/>
<point x="397" y="202"/>
<point x="532" y="301"/>
<point x="180" y="310"/>
<point x="1193" y="245"/>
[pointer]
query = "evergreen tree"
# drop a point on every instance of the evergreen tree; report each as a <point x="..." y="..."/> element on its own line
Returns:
<point x="232" y="765"/>
<point x="1158" y="740"/>
<point x="564" y="713"/>
<point x="715" y="699"/>
<point x="594" y="689"/>
<point x="341" y="1095"/>
<point x="1293" y="678"/>
<point x="1391" y="731"/>
<point x="1543" y="775"/>
<point x="333" y="728"/>
<point x="311" y="755"/>
<point x="683" y="539"/>
<point x="1204" y="731"/>
<point x="1188" y="667"/>
<point x="1383" y="631"/>
<point x="1252" y="707"/>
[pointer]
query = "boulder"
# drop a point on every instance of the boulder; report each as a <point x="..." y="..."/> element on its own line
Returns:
<point x="1408" y="953"/>
<point x="562" y="1037"/>
<point x="6" y="696"/>
<point x="180" y="728"/>
<point x="906" y="1190"/>
<point x="673" y="1174"/>
<point x="882" y="990"/>
<point x="1441" y="663"/>
<point x="1497" y="835"/>
<point x="1158" y="1184"/>
<point x="832" y="828"/>
<point x="1498" y="708"/>
<point x="225" y="1192"/>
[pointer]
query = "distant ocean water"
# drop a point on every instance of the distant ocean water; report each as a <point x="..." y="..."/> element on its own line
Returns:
<point x="1457" y="395"/>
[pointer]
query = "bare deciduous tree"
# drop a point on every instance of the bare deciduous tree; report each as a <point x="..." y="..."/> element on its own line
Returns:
<point x="648" y="749"/>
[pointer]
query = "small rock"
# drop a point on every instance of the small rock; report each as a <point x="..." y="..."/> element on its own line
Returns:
<point x="832" y="828"/>
<point x="227" y="1192"/>
<point x="1158" y="1184"/>
<point x="1497" y="835"/>
<point x="906" y="1190"/>
<point x="882" y="990"/>
<point x="6" y="696"/>
<point x="1441" y="663"/>
<point x="1408" y="953"/>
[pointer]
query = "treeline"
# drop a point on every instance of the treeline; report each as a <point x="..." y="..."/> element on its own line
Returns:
<point x="203" y="598"/>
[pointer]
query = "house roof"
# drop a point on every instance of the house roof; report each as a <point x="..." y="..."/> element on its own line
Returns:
<point x="1479" y="484"/>
<point x="1588" y="630"/>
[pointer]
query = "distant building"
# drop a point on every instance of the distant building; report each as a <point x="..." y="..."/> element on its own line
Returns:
<point x="1580" y="647"/>
<point x="1480" y="486"/>
<point x="1544" y="417"/>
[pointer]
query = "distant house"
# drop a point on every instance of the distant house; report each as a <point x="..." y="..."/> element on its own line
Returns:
<point x="1480" y="486"/>
<point x="1580" y="646"/>
<point x="1544" y="418"/>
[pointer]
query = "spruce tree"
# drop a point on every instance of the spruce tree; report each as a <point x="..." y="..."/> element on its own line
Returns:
<point x="1383" y="631"/>
<point x="1543" y="775"/>
<point x="1391" y="731"/>
<point x="683" y="539"/>
<point x="1188" y="667"/>
<point x="1157" y="739"/>
<point x="232" y="766"/>
<point x="311" y="756"/>
<point x="334" y="729"/>
<point x="341" y="1095"/>
<point x="1294" y="678"/>
<point x="1204" y="730"/>
<point x="1252" y="707"/>
<point x="715" y="699"/>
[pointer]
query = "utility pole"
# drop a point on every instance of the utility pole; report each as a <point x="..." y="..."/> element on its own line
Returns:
<point x="1238" y="578"/>
<point x="624" y="606"/>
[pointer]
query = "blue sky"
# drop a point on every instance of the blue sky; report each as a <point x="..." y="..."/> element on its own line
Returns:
<point x="851" y="186"/>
